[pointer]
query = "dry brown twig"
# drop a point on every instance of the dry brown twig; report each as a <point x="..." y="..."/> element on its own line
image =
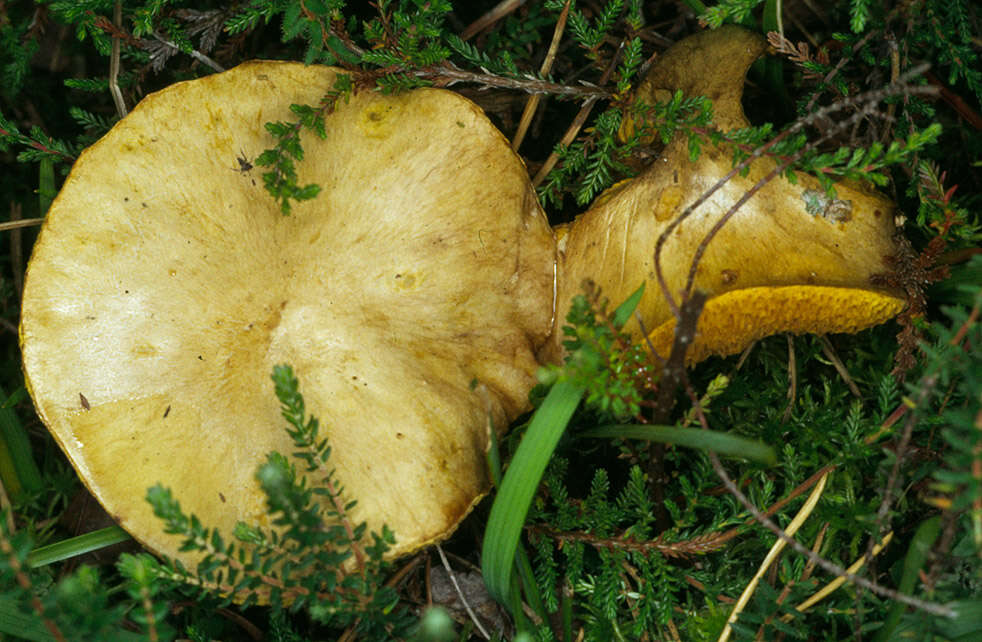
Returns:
<point x="498" y="12"/>
<point x="533" y="101"/>
<point x="117" y="95"/>
<point x="460" y="594"/>
<point x="578" y="122"/>
<point x="792" y="380"/>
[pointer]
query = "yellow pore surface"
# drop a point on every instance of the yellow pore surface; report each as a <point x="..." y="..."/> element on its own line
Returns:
<point x="732" y="321"/>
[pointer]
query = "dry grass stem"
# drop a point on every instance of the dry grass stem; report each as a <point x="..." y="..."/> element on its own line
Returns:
<point x="829" y="350"/>
<point x="792" y="380"/>
<point x="574" y="129"/>
<point x="19" y="223"/>
<point x="460" y="593"/>
<point x="829" y="588"/>
<point x="114" y="63"/>
<point x="499" y="11"/>
<point x="533" y="102"/>
<point x="796" y="523"/>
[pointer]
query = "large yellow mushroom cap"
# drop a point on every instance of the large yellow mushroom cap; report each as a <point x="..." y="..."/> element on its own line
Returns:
<point x="801" y="261"/>
<point x="166" y="285"/>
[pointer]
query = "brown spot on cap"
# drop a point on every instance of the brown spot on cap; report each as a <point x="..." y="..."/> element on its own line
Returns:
<point x="668" y="203"/>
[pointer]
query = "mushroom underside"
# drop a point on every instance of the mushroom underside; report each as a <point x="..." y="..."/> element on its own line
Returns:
<point x="166" y="285"/>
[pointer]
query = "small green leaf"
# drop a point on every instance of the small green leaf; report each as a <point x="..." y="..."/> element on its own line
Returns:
<point x="624" y="311"/>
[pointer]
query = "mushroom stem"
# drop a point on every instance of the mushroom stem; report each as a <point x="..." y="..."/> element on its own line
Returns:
<point x="762" y="241"/>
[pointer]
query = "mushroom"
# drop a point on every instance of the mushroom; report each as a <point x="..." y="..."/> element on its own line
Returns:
<point x="791" y="259"/>
<point x="166" y="284"/>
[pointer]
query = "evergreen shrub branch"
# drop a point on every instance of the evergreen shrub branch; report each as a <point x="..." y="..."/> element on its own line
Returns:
<point x="304" y="562"/>
<point x="281" y="179"/>
<point x="37" y="145"/>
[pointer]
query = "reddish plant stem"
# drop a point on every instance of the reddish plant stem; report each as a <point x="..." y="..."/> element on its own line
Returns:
<point x="25" y="583"/>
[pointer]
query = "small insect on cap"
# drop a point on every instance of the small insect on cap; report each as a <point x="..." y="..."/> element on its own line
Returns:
<point x="791" y="259"/>
<point x="166" y="284"/>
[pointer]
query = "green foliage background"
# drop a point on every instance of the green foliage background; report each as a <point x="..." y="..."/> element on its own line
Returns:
<point x="648" y="543"/>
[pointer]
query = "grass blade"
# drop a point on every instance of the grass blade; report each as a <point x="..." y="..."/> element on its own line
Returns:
<point x="519" y="485"/>
<point x="75" y="546"/>
<point x="17" y="468"/>
<point x="920" y="547"/>
<point x="719" y="442"/>
<point x="14" y="621"/>
<point x="46" y="184"/>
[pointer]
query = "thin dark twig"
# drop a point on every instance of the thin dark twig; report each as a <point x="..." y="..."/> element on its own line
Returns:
<point x="890" y="594"/>
<point x="659" y="359"/>
<point x="927" y="385"/>
<point x="868" y="107"/>
<point x="839" y="65"/>
<point x="673" y="370"/>
<point x="943" y="546"/>
<point x="672" y="374"/>
<point x="460" y="593"/>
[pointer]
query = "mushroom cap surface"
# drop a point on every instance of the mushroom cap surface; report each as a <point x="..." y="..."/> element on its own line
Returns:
<point x="166" y="284"/>
<point x="787" y="235"/>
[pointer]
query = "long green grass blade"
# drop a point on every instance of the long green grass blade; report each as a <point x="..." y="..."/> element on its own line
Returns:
<point x="75" y="546"/>
<point x="17" y="468"/>
<point x="718" y="442"/>
<point x="624" y="311"/>
<point x="916" y="557"/>
<point x="519" y="485"/>
<point x="967" y="623"/>
<point x="46" y="184"/>
<point x="15" y="622"/>
<point x="526" y="576"/>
